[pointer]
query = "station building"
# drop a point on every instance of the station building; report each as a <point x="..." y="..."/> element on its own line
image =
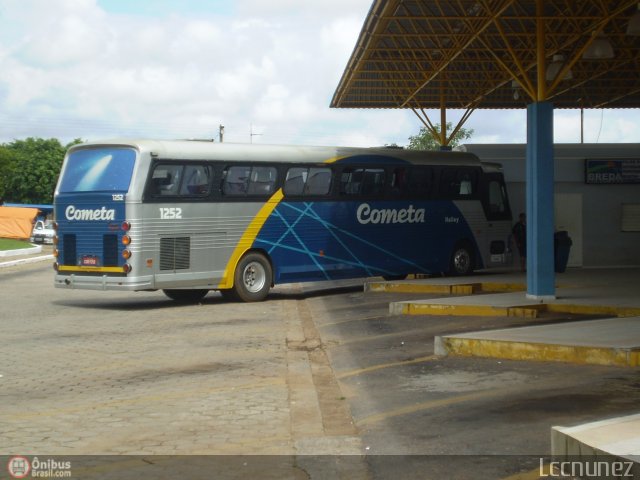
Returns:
<point x="597" y="197"/>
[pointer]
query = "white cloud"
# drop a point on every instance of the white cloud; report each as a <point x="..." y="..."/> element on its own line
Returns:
<point x="71" y="69"/>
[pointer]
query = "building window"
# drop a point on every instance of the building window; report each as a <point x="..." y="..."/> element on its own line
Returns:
<point x="631" y="217"/>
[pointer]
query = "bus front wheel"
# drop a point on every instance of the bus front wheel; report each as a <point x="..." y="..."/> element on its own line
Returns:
<point x="185" y="296"/>
<point x="462" y="262"/>
<point x="252" y="279"/>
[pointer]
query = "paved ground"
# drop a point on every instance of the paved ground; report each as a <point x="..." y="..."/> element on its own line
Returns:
<point x="311" y="371"/>
<point x="104" y="373"/>
<point x="405" y="401"/>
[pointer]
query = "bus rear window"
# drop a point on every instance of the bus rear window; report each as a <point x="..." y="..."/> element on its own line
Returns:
<point x="98" y="170"/>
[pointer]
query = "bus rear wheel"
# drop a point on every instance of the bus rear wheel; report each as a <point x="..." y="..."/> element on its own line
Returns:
<point x="252" y="279"/>
<point x="462" y="262"/>
<point x="185" y="296"/>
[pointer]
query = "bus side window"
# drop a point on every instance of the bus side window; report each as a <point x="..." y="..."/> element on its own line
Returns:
<point x="236" y="180"/>
<point x="399" y="183"/>
<point x="165" y="180"/>
<point x="294" y="181"/>
<point x="196" y="180"/>
<point x="351" y="181"/>
<point x="420" y="179"/>
<point x="262" y="181"/>
<point x="307" y="181"/>
<point x="373" y="182"/>
<point x="318" y="181"/>
<point x="497" y="196"/>
<point x="458" y="183"/>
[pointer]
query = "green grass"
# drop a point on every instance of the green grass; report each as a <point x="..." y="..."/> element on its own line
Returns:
<point x="10" y="244"/>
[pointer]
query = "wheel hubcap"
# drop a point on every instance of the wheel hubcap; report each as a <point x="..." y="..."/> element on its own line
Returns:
<point x="254" y="277"/>
<point x="461" y="261"/>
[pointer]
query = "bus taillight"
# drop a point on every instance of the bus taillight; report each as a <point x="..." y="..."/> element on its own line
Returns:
<point x="56" y="253"/>
<point x="55" y="266"/>
<point x="126" y="240"/>
<point x="126" y="254"/>
<point x="126" y="226"/>
<point x="126" y="268"/>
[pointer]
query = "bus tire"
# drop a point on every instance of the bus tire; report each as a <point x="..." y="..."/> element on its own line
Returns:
<point x="185" y="296"/>
<point x="462" y="260"/>
<point x="252" y="279"/>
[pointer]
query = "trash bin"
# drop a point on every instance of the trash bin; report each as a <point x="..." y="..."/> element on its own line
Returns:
<point x="561" y="247"/>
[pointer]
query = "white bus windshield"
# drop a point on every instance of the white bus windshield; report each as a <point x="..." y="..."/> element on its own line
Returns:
<point x="106" y="169"/>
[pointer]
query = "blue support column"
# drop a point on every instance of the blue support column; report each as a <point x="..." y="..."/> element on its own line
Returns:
<point x="540" y="212"/>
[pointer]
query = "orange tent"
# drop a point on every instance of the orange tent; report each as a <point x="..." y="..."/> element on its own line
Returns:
<point x="17" y="222"/>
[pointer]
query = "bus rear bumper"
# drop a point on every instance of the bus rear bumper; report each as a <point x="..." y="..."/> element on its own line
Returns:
<point x="103" y="282"/>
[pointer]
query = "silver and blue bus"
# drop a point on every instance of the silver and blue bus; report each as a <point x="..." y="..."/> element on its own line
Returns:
<point x="187" y="217"/>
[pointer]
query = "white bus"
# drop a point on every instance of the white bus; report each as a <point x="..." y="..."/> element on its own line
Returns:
<point x="188" y="217"/>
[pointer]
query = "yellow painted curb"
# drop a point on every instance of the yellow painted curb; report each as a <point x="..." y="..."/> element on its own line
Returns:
<point x="455" y="310"/>
<point x="446" y="289"/>
<point x="526" y="311"/>
<point x="468" y="347"/>
<point x="523" y="311"/>
<point x="498" y="287"/>
<point x="593" y="309"/>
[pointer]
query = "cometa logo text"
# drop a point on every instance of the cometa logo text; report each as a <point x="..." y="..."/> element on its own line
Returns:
<point x="73" y="213"/>
<point x="366" y="214"/>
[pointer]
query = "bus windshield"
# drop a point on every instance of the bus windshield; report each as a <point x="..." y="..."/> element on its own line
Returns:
<point x="106" y="169"/>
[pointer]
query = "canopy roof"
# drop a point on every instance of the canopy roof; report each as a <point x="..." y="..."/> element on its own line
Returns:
<point x="425" y="54"/>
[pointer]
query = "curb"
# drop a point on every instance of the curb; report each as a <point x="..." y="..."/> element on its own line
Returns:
<point x="543" y="352"/>
<point x="445" y="288"/>
<point x="414" y="308"/>
<point x="606" y="441"/>
<point x="21" y="251"/>
<point x="24" y="261"/>
<point x="521" y="311"/>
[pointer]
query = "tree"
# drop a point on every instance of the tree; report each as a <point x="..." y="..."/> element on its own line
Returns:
<point x="425" y="140"/>
<point x="7" y="160"/>
<point x="32" y="169"/>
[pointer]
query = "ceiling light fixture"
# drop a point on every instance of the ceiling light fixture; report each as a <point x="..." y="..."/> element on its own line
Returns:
<point x="600" y="49"/>
<point x="516" y="89"/>
<point x="633" y="29"/>
<point x="554" y="68"/>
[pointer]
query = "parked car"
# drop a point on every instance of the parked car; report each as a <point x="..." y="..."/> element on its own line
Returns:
<point x="43" y="232"/>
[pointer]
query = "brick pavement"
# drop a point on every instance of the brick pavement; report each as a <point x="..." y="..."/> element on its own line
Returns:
<point x="132" y="373"/>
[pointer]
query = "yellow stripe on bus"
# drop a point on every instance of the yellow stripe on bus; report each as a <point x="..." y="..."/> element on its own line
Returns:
<point x="68" y="268"/>
<point x="335" y="159"/>
<point x="248" y="237"/>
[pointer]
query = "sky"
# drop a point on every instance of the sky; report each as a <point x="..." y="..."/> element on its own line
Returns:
<point x="165" y="69"/>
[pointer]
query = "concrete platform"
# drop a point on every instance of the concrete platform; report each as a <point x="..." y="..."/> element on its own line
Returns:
<point x="614" y="292"/>
<point x="610" y="341"/>
<point x="615" y="441"/>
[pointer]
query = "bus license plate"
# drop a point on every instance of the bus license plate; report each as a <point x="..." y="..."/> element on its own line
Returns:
<point x="89" y="261"/>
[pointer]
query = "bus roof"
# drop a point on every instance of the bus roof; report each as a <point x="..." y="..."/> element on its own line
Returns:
<point x="206" y="150"/>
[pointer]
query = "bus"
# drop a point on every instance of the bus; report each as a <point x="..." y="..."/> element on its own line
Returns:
<point x="187" y="217"/>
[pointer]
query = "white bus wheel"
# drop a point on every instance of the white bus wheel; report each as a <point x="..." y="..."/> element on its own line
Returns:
<point x="185" y="296"/>
<point x="252" y="279"/>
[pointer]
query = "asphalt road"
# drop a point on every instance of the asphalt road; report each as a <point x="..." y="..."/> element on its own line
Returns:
<point x="309" y="376"/>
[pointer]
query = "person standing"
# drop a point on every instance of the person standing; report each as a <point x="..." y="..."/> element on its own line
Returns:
<point x="519" y="232"/>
